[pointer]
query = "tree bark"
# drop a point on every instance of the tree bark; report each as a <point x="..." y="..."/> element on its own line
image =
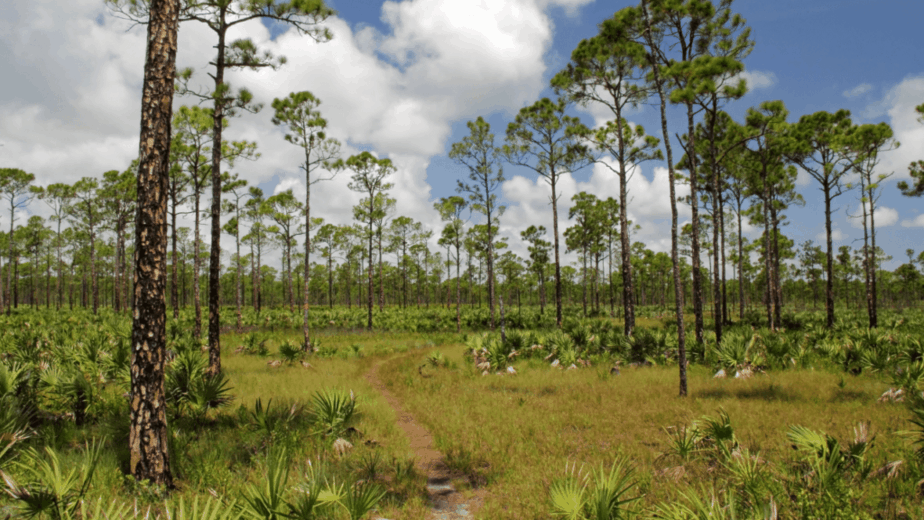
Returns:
<point x="148" y="434"/>
<point x="215" y="252"/>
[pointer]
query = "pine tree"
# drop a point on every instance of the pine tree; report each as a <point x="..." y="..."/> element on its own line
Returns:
<point x="545" y="140"/>
<point x="149" y="458"/>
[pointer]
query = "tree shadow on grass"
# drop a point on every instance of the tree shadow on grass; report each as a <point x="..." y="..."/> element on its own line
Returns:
<point x="769" y="392"/>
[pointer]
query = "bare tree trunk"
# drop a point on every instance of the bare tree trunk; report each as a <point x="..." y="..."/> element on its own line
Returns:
<point x="197" y="290"/>
<point x="458" y="289"/>
<point x="238" y="279"/>
<point x="698" y="296"/>
<point x="306" y="346"/>
<point x="174" y="289"/>
<point x="93" y="280"/>
<point x="148" y="434"/>
<point x="558" y="317"/>
<point x="829" y="263"/>
<point x="215" y="252"/>
<point x="874" y="311"/>
<point x="678" y="295"/>
<point x="768" y="263"/>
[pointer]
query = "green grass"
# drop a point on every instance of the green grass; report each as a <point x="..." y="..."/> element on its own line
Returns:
<point x="513" y="434"/>
<point x="517" y="433"/>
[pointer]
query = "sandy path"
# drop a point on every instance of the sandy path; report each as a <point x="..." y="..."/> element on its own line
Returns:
<point x="446" y="503"/>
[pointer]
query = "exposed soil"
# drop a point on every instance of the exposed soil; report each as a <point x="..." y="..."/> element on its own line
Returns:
<point x="445" y="501"/>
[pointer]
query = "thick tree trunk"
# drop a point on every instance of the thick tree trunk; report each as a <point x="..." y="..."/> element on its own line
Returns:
<point x="148" y="433"/>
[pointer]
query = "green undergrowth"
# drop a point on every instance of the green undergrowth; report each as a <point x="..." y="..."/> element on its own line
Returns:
<point x="803" y="437"/>
<point x="257" y="442"/>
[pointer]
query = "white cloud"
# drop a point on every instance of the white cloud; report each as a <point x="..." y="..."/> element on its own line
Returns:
<point x="859" y="90"/>
<point x="899" y="104"/>
<point x="836" y="236"/>
<point x="757" y="79"/>
<point x="289" y="183"/>
<point x="71" y="96"/>
<point x="917" y="221"/>
<point x="884" y="217"/>
<point x="649" y="205"/>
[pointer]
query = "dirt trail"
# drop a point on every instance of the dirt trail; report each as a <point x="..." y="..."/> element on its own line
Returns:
<point x="445" y="501"/>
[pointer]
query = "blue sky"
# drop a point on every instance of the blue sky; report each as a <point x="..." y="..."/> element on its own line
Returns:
<point x="402" y="78"/>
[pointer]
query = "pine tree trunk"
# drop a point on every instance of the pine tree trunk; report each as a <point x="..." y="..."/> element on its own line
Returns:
<point x="874" y="311"/>
<point x="149" y="458"/>
<point x="558" y="317"/>
<point x="369" y="273"/>
<point x="238" y="279"/>
<point x="197" y="290"/>
<point x="174" y="289"/>
<point x="678" y="295"/>
<point x="93" y="278"/>
<point x="306" y="345"/>
<point x="829" y="262"/>
<point x="740" y="267"/>
<point x="490" y="261"/>
<point x="9" y="272"/>
<point x="698" y="296"/>
<point x="215" y="253"/>
<point x="768" y="263"/>
<point x="458" y="289"/>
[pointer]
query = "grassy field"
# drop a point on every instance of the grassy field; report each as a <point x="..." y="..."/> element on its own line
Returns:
<point x="803" y="438"/>
<point x="519" y="433"/>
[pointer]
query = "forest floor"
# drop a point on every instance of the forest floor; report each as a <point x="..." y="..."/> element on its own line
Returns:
<point x="447" y="501"/>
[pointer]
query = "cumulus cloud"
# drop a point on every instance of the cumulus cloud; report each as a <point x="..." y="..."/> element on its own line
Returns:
<point x="72" y="90"/>
<point x="836" y="236"/>
<point x="649" y="205"/>
<point x="884" y="217"/>
<point x="757" y="79"/>
<point x="898" y="104"/>
<point x="917" y="221"/>
<point x="859" y="90"/>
